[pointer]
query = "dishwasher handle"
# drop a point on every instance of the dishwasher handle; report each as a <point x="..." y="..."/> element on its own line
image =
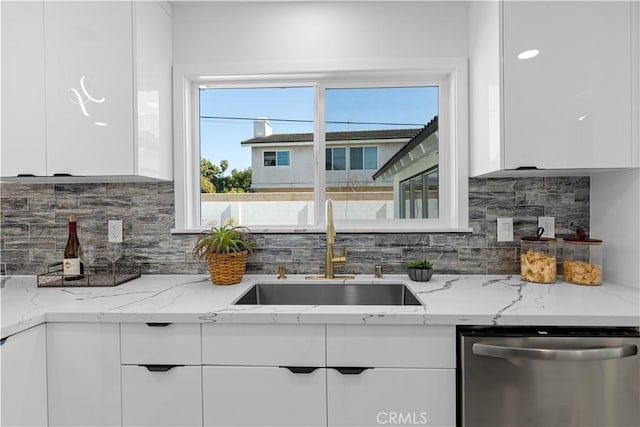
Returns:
<point x="577" y="355"/>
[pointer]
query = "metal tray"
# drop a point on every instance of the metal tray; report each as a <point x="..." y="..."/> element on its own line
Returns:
<point x="98" y="276"/>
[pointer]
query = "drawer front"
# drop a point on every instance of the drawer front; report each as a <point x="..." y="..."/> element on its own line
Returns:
<point x="383" y="396"/>
<point x="263" y="396"/>
<point x="174" y="343"/>
<point x="263" y="345"/>
<point x="391" y="346"/>
<point x="162" y="398"/>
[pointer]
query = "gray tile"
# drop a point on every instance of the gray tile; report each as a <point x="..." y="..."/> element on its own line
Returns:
<point x="147" y="210"/>
<point x="487" y="254"/>
<point x="13" y="203"/>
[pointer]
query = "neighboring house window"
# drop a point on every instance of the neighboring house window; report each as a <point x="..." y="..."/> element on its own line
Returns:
<point x="363" y="158"/>
<point x="277" y="158"/>
<point x="336" y="159"/>
<point x="419" y="195"/>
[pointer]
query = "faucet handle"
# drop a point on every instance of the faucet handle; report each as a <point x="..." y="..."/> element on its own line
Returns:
<point x="344" y="251"/>
<point x="282" y="272"/>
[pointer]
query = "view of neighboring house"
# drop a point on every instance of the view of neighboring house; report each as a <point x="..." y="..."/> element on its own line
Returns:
<point x="370" y="174"/>
<point x="414" y="171"/>
<point x="284" y="162"/>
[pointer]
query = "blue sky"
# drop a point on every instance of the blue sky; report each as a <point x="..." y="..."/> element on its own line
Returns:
<point x="227" y="114"/>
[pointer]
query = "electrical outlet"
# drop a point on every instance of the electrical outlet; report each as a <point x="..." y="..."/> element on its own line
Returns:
<point x="548" y="223"/>
<point x="115" y="231"/>
<point x="505" y="229"/>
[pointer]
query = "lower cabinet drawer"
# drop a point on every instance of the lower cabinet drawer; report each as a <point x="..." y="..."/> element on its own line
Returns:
<point x="156" y="396"/>
<point x="391" y="346"/>
<point x="263" y="396"/>
<point x="386" y="396"/>
<point x="162" y="343"/>
<point x="263" y="345"/>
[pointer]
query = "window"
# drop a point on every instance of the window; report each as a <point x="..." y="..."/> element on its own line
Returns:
<point x="363" y="158"/>
<point x="336" y="159"/>
<point x="419" y="196"/>
<point x="276" y="158"/>
<point x="330" y="129"/>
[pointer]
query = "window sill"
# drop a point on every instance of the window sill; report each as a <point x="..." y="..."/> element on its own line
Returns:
<point x="322" y="230"/>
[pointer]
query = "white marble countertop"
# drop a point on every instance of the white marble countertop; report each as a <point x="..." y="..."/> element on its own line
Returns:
<point x="450" y="300"/>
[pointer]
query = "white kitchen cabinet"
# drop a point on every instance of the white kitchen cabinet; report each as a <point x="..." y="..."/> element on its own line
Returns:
<point x="153" y="103"/>
<point x="23" y="94"/>
<point x="390" y="396"/>
<point x="161" y="395"/>
<point x="263" y="375"/>
<point x="263" y="345"/>
<point x="161" y="343"/>
<point x="161" y="374"/>
<point x="89" y="86"/>
<point x="569" y="107"/>
<point x="23" y="378"/>
<point x="83" y="370"/>
<point x="391" y="346"/>
<point x="263" y="396"/>
<point x="391" y="374"/>
<point x="100" y="74"/>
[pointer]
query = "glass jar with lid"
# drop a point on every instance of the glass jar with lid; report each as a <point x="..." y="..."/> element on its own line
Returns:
<point x="582" y="260"/>
<point x="538" y="259"/>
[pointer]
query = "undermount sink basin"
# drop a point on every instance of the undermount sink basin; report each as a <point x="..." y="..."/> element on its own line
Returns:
<point x="328" y="294"/>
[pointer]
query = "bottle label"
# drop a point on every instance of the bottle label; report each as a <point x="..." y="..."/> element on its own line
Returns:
<point x="71" y="266"/>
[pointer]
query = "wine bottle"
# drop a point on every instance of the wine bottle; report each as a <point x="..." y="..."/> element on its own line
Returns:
<point x="72" y="266"/>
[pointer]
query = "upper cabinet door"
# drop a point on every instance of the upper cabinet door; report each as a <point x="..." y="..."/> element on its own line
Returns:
<point x="153" y="90"/>
<point x="570" y="105"/>
<point x="89" y="88"/>
<point x="23" y="114"/>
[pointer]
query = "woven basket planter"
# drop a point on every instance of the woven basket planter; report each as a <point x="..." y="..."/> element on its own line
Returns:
<point x="227" y="268"/>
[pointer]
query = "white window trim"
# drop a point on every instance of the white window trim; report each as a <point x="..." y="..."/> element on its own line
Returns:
<point x="362" y="147"/>
<point x="276" y="165"/>
<point x="452" y="74"/>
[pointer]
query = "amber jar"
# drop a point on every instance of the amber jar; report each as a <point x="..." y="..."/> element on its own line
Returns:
<point x="582" y="260"/>
<point x="538" y="259"/>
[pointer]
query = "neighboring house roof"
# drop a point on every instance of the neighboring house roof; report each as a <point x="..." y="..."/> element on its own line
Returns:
<point x="356" y="135"/>
<point x="428" y="130"/>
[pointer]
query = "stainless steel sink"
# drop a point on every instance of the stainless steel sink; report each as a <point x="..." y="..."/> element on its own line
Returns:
<point x="328" y="294"/>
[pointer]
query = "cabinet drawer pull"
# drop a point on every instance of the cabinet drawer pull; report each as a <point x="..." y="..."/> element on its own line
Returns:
<point x="351" y="370"/>
<point x="158" y="325"/>
<point x="160" y="368"/>
<point x="301" y="369"/>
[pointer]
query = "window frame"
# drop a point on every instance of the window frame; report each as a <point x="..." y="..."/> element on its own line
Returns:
<point x="449" y="74"/>
<point x="346" y="161"/>
<point x="276" y="153"/>
<point x="364" y="168"/>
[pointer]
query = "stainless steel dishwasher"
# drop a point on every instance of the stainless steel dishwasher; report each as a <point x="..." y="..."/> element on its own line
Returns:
<point x="544" y="377"/>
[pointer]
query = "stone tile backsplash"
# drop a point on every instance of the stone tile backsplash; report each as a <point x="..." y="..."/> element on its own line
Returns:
<point x="34" y="229"/>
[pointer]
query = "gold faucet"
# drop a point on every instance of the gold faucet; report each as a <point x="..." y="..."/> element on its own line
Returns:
<point x="330" y="260"/>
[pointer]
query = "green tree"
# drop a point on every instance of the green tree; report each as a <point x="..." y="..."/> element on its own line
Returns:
<point x="206" y="186"/>
<point x="212" y="179"/>
<point x="240" y="181"/>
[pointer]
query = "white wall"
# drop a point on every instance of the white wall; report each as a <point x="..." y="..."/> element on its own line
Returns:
<point x="248" y="35"/>
<point x="615" y="218"/>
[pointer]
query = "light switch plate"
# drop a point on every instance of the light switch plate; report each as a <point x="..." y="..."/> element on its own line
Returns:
<point x="548" y="223"/>
<point x="505" y="229"/>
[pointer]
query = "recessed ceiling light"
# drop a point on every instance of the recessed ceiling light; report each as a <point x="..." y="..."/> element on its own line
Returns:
<point x="99" y="123"/>
<point x="581" y="118"/>
<point x="528" y="54"/>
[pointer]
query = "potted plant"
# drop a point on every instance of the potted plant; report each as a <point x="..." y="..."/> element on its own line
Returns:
<point x="225" y="248"/>
<point x="420" y="270"/>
